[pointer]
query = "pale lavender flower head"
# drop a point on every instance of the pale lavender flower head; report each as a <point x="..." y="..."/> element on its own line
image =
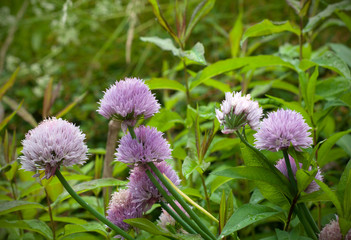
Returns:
<point x="144" y="192"/>
<point x="54" y="142"/>
<point x="281" y="166"/>
<point x="166" y="219"/>
<point x="332" y="231"/>
<point x="123" y="207"/>
<point x="237" y="111"/>
<point x="149" y="146"/>
<point x="282" y="128"/>
<point x="127" y="101"/>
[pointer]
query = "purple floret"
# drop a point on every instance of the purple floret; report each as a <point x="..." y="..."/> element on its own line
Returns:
<point x="128" y="100"/>
<point x="54" y="142"/>
<point x="282" y="128"/>
<point x="149" y="146"/>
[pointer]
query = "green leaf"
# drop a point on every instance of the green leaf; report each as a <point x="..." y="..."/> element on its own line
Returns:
<point x="313" y="21"/>
<point x="342" y="52"/>
<point x="219" y="181"/>
<point x="252" y="62"/>
<point x="311" y="88"/>
<point x="146" y="225"/>
<point x="345" y="18"/>
<point x="165" y="120"/>
<point x="327" y="145"/>
<point x="8" y="118"/>
<point x="222" y="212"/>
<point x="195" y="54"/>
<point x="235" y="35"/>
<point x="246" y="215"/>
<point x="7" y="207"/>
<point x="87" y="227"/>
<point x="90" y="185"/>
<point x="69" y="219"/>
<point x="304" y="178"/>
<point x="331" y="194"/>
<point x="200" y="11"/>
<point x="333" y="87"/>
<point x="8" y="84"/>
<point x="331" y="61"/>
<point x="164" y="83"/>
<point x="30" y="225"/>
<point x="217" y="84"/>
<point x="255" y="173"/>
<point x="189" y="165"/>
<point x="22" y="112"/>
<point x="267" y="27"/>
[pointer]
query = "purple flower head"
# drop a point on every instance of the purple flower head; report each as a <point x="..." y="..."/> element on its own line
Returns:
<point x="149" y="146"/>
<point x="128" y="100"/>
<point x="281" y="166"/>
<point x="54" y="142"/>
<point x="237" y="111"/>
<point x="143" y="190"/>
<point x="332" y="231"/>
<point x="282" y="128"/>
<point x="122" y="207"/>
<point x="166" y="219"/>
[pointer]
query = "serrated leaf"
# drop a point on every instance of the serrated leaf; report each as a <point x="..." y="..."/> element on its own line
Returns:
<point x="189" y="166"/>
<point x="12" y="206"/>
<point x="90" y="185"/>
<point x="31" y="225"/>
<point x="331" y="61"/>
<point x="164" y="83"/>
<point x="246" y="215"/>
<point x="267" y="27"/>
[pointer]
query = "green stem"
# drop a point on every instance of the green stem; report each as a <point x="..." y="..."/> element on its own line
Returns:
<point x="177" y="218"/>
<point x="132" y="133"/>
<point x="206" y="194"/>
<point x="195" y="228"/>
<point x="180" y="200"/>
<point x="309" y="217"/>
<point x="50" y="214"/>
<point x="290" y="172"/>
<point x="305" y="223"/>
<point x="90" y="209"/>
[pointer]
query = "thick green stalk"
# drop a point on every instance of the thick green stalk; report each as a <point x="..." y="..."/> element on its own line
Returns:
<point x="132" y="133"/>
<point x="163" y="192"/>
<point x="90" y="209"/>
<point x="177" y="218"/>
<point x="181" y="201"/>
<point x="309" y="217"/>
<point x="305" y="223"/>
<point x="290" y="172"/>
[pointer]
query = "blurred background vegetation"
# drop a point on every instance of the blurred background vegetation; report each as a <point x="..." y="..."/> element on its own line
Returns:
<point x="84" y="46"/>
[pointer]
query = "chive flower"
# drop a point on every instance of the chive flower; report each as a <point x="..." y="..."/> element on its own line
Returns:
<point x="236" y="111"/>
<point x="144" y="192"/>
<point x="54" y="142"/>
<point x="281" y="166"/>
<point x="149" y="146"/>
<point x="332" y="231"/>
<point x="122" y="207"/>
<point x="281" y="129"/>
<point x="127" y="101"/>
